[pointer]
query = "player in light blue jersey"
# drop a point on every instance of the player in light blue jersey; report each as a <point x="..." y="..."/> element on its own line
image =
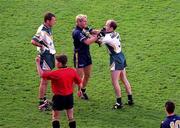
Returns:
<point x="45" y="45"/>
<point x="117" y="62"/>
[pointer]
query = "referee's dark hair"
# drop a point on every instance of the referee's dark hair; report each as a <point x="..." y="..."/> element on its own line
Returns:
<point x="113" y="24"/>
<point x="48" y="16"/>
<point x="170" y="107"/>
<point x="62" y="59"/>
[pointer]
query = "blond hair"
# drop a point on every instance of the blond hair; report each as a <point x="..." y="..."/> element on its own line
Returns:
<point x="80" y="17"/>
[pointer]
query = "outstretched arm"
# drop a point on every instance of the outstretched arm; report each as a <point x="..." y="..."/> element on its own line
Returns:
<point x="91" y="40"/>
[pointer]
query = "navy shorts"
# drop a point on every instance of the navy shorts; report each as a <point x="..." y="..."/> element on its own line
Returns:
<point x="60" y="102"/>
<point x="82" y="60"/>
<point x="47" y="61"/>
<point x="117" y="61"/>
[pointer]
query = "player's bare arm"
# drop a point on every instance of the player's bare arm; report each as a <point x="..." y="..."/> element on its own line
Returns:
<point x="36" y="43"/>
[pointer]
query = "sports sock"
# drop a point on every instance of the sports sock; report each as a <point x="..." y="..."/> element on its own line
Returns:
<point x="130" y="98"/>
<point x="56" y="124"/>
<point x="118" y="100"/>
<point x="83" y="90"/>
<point x="41" y="101"/>
<point x="72" y="124"/>
<point x="44" y="98"/>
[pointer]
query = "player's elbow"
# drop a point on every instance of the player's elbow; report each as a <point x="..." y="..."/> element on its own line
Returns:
<point x="33" y="42"/>
<point x="87" y="42"/>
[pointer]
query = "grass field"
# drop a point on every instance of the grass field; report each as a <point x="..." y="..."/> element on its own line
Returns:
<point x="150" y="32"/>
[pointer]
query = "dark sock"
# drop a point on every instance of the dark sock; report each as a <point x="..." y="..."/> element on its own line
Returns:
<point x="118" y="100"/>
<point x="41" y="101"/>
<point x="72" y="124"/>
<point x="44" y="98"/>
<point x="83" y="90"/>
<point x="56" y="124"/>
<point x="130" y="98"/>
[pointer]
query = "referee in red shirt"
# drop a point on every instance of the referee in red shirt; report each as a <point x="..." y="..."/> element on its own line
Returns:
<point x="62" y="87"/>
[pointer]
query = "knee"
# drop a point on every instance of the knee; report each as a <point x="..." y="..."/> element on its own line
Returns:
<point x="71" y="119"/>
<point x="87" y="76"/>
<point x="55" y="115"/>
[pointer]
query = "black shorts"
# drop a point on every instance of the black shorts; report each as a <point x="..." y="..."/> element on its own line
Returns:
<point x="60" y="102"/>
<point x="82" y="60"/>
<point x="47" y="61"/>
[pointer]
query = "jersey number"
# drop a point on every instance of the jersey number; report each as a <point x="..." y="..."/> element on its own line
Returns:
<point x="175" y="124"/>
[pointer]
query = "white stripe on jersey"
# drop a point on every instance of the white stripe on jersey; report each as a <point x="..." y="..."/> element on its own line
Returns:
<point x="113" y="40"/>
<point x="48" y="39"/>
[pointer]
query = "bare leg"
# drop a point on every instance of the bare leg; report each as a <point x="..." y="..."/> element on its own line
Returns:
<point x="87" y="74"/>
<point x="84" y="73"/>
<point x="70" y="116"/>
<point x="55" y="119"/>
<point x="43" y="87"/>
<point x="125" y="81"/>
<point x="127" y="85"/>
<point x="55" y="115"/>
<point x="115" y="82"/>
<point x="80" y="72"/>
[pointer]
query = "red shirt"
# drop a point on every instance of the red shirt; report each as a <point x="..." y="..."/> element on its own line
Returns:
<point x="62" y="80"/>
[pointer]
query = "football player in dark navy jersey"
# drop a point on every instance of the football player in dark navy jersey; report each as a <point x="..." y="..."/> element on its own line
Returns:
<point x="172" y="120"/>
<point x="82" y="38"/>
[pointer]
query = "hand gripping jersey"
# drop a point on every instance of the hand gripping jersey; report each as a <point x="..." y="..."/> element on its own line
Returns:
<point x="112" y="41"/>
<point x="44" y="34"/>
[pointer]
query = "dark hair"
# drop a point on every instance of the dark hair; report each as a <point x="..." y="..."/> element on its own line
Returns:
<point x="62" y="59"/>
<point x="48" y="16"/>
<point x="113" y="24"/>
<point x="170" y="107"/>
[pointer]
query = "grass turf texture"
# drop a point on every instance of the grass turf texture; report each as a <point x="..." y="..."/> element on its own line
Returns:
<point x="150" y="38"/>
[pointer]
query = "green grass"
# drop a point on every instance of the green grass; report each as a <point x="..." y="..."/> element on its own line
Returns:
<point x="150" y="38"/>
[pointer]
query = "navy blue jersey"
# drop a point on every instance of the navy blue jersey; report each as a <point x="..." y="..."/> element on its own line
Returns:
<point x="82" y="57"/>
<point x="171" y="122"/>
<point x="79" y="35"/>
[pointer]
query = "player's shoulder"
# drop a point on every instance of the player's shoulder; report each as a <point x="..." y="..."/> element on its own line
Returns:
<point x="71" y="69"/>
<point x="178" y="117"/>
<point x="40" y="27"/>
<point x="165" y="122"/>
<point x="77" y="30"/>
